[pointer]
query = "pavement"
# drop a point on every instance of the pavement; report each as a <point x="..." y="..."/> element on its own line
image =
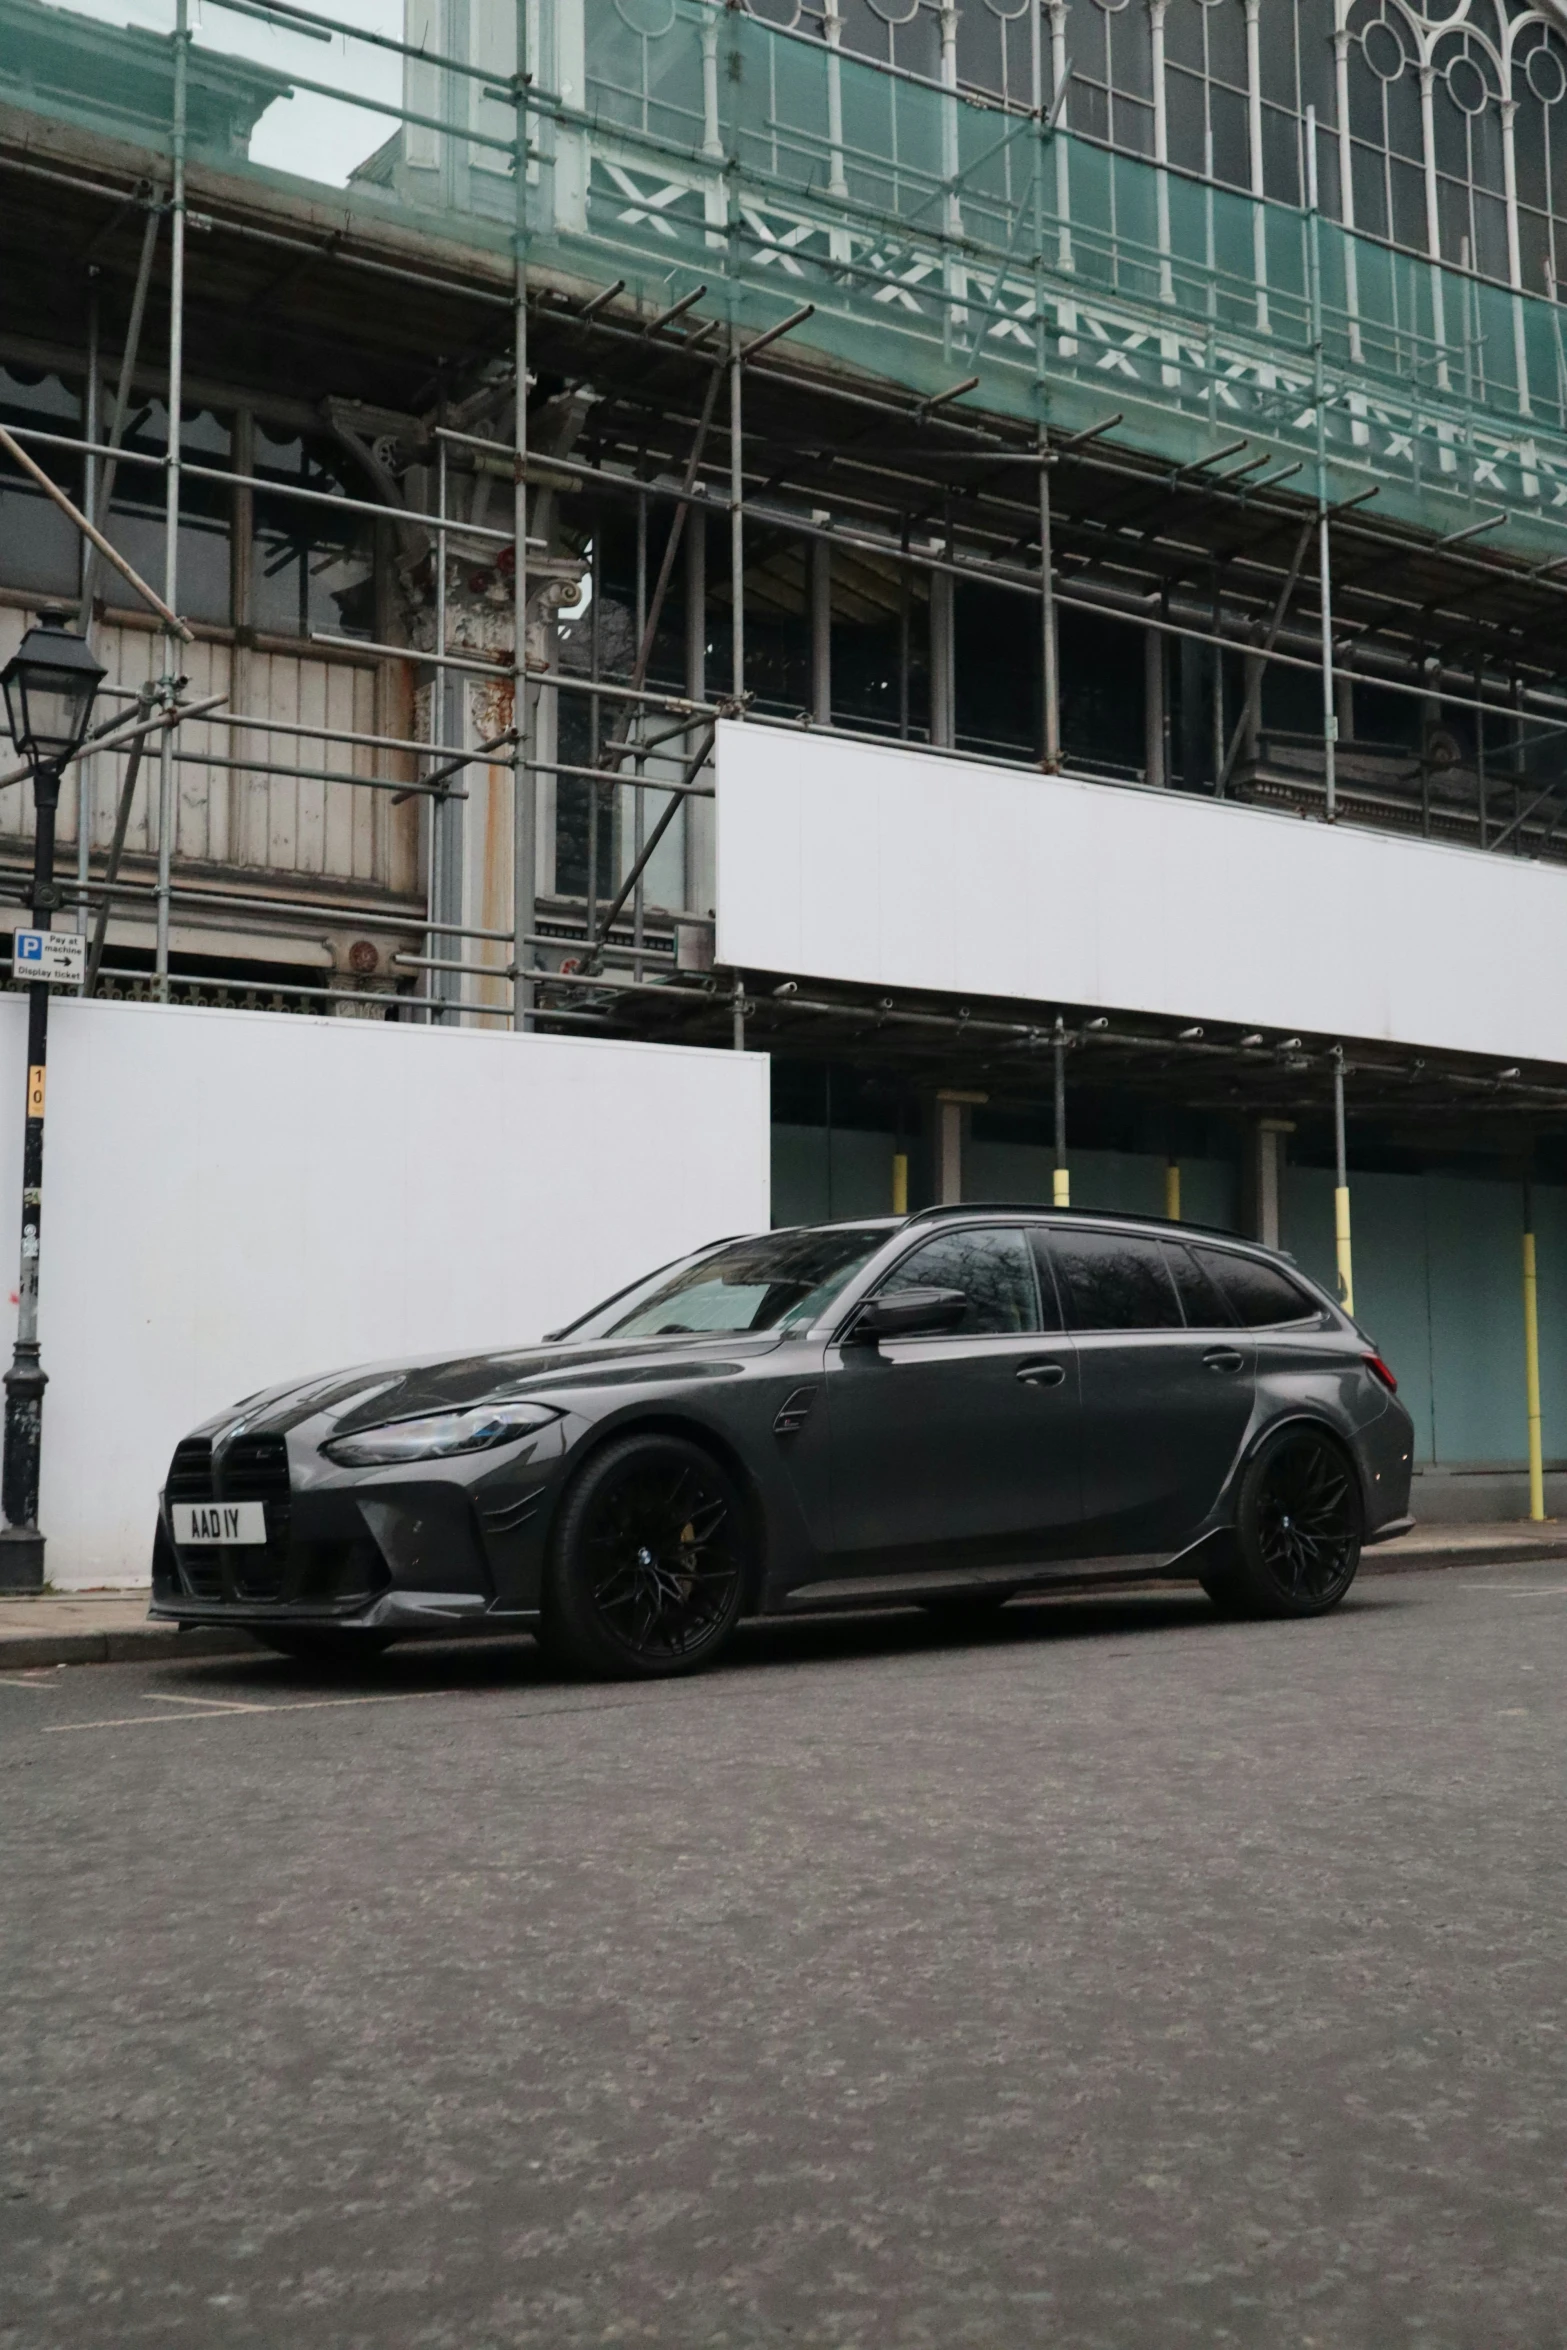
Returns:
<point x="110" y="1626"/>
<point x="1115" y="1977"/>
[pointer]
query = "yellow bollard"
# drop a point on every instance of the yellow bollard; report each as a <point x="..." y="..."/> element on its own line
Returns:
<point x="1061" y="1189"/>
<point x="1531" y="1357"/>
<point x="900" y="1183"/>
<point x="1172" y="1191"/>
<point x="1346" y="1270"/>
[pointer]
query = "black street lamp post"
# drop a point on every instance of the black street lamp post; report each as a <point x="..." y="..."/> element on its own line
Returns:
<point x="49" y="684"/>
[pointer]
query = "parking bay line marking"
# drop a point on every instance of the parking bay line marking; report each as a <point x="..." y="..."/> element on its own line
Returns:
<point x="216" y="1705"/>
<point x="227" y="1709"/>
<point x="1521" y="1590"/>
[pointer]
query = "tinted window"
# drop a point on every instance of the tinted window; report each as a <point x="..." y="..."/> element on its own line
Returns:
<point x="1259" y="1294"/>
<point x="1110" y="1283"/>
<point x="1202" y="1304"/>
<point x="990" y="1265"/>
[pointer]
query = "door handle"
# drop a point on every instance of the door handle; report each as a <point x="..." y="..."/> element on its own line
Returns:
<point x="1042" y="1374"/>
<point x="1223" y="1358"/>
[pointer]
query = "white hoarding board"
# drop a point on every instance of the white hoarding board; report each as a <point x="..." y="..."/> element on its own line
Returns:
<point x="237" y="1198"/>
<point x="893" y="868"/>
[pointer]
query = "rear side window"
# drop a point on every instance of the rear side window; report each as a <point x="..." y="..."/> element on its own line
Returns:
<point x="1111" y="1283"/>
<point x="1205" y="1309"/>
<point x="990" y="1264"/>
<point x="1258" y="1294"/>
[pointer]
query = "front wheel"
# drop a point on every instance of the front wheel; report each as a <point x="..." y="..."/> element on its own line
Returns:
<point x="1298" y="1530"/>
<point x="649" y="1562"/>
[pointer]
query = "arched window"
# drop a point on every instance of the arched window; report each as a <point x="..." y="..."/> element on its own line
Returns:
<point x="1442" y="124"/>
<point x="1111" y="48"/>
<point x="1206" y="90"/>
<point x="1538" y="80"/>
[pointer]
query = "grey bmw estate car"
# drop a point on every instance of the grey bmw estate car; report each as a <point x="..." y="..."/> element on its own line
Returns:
<point x="947" y="1408"/>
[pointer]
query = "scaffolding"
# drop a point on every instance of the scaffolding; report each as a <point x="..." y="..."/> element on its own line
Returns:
<point x="822" y="323"/>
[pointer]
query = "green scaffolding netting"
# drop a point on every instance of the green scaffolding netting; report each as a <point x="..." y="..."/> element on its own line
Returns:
<point x="676" y="144"/>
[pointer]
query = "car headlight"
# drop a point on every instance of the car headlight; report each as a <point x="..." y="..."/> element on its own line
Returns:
<point x="435" y="1436"/>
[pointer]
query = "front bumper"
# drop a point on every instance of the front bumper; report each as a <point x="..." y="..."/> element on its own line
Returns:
<point x="404" y="1550"/>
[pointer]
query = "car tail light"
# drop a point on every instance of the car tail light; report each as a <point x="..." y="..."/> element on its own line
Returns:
<point x="1379" y="1370"/>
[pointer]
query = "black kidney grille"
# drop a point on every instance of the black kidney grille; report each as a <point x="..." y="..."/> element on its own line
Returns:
<point x="190" y="1471"/>
<point x="254" y="1468"/>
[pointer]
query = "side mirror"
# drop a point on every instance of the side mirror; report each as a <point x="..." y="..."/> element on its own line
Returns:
<point x="908" y="1313"/>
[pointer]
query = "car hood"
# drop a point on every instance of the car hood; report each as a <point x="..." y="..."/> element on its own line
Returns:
<point x="373" y="1392"/>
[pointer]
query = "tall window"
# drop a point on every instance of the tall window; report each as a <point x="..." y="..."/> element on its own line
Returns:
<point x="1445" y="103"/>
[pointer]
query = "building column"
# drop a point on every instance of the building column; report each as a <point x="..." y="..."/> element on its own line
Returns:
<point x="949" y="1151"/>
<point x="952" y="1113"/>
<point x="1269" y="1144"/>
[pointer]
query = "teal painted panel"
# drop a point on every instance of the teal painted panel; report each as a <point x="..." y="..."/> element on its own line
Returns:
<point x="1007" y="1170"/>
<point x="1550" y="1226"/>
<point x="1393" y="1289"/>
<point x="1128" y="1182"/>
<point x="1392" y="1274"/>
<point x="822" y="1172"/>
<point x="799" y="1174"/>
<point x="1211" y="1193"/>
<point x="1474" y="1232"/>
<point x="1306" y="1217"/>
<point x="859" y="1173"/>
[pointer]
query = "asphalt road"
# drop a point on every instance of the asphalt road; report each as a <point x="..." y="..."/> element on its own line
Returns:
<point x="1119" y="1977"/>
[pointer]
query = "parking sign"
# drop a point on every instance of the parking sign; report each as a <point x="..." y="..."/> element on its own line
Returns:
<point x="58" y="956"/>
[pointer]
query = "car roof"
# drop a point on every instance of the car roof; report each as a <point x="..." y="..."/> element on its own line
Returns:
<point x="1117" y="1218"/>
<point x="1091" y="1219"/>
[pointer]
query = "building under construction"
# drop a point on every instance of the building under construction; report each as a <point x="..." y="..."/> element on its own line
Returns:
<point x="1026" y="581"/>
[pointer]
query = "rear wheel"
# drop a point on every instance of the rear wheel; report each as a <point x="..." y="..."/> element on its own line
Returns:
<point x="1298" y="1530"/>
<point x="649" y="1563"/>
<point x="325" y="1646"/>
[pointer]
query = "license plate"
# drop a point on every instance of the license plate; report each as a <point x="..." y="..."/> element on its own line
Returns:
<point x="225" y="1522"/>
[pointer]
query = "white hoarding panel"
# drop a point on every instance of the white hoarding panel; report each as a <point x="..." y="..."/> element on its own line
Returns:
<point x="895" y="868"/>
<point x="232" y="1199"/>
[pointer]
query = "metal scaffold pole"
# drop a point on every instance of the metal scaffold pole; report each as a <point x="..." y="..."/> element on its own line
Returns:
<point x="1341" y="1240"/>
<point x="524" y="782"/>
<point x="1324" y="545"/>
<point x="1049" y="650"/>
<point x="1061" y="1187"/>
<point x="1531" y="1353"/>
<point x="736" y="526"/>
<point x="168" y="806"/>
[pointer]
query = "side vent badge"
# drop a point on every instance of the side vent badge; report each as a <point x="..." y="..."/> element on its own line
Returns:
<point x="795" y="1412"/>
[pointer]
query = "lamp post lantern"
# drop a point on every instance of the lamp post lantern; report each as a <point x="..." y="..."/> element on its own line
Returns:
<point x="49" y="684"/>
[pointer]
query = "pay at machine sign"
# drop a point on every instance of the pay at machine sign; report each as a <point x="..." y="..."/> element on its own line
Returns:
<point x="227" y="1522"/>
<point x="59" y="956"/>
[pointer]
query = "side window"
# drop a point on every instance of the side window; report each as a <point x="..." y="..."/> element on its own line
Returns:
<point x="991" y="1266"/>
<point x="1202" y="1303"/>
<point x="1258" y="1294"/>
<point x="1111" y="1283"/>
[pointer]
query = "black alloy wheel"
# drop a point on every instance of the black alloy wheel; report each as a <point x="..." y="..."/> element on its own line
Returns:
<point x="649" y="1562"/>
<point x="1298" y="1530"/>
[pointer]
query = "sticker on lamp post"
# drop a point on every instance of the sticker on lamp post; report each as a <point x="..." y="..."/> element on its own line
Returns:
<point x="56" y="956"/>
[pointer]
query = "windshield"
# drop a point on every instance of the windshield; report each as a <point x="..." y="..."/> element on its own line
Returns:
<point x="780" y="1281"/>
